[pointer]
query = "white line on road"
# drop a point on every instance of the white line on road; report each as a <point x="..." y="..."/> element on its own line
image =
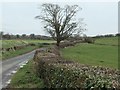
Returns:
<point x="21" y="66"/>
<point x="8" y="82"/>
<point x="13" y="72"/>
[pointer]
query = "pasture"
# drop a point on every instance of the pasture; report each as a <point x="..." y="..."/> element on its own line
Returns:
<point x="84" y="53"/>
<point x="107" y="40"/>
<point x="11" y="43"/>
<point x="93" y="54"/>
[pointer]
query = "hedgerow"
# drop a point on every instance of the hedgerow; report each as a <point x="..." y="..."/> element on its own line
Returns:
<point x="59" y="73"/>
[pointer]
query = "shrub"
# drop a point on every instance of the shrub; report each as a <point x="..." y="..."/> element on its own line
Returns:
<point x="46" y="43"/>
<point x="89" y="40"/>
<point x="40" y="45"/>
<point x="32" y="44"/>
<point x="59" y="73"/>
<point x="66" y="44"/>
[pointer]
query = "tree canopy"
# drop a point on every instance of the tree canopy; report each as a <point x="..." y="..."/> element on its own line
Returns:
<point x="60" y="22"/>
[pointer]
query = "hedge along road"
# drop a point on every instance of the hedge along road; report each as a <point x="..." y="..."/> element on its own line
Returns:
<point x="10" y="66"/>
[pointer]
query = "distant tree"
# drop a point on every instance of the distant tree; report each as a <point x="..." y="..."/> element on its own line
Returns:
<point x="1" y="34"/>
<point x="7" y="36"/>
<point x="109" y="35"/>
<point x="32" y="36"/>
<point x="24" y="36"/>
<point x="118" y="34"/>
<point x="60" y="22"/>
<point x="17" y="36"/>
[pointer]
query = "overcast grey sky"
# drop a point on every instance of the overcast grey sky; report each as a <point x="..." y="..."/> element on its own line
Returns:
<point x="100" y="17"/>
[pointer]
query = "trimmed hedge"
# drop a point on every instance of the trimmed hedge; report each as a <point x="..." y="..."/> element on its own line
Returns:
<point x="59" y="73"/>
<point x="89" y="40"/>
<point x="69" y="43"/>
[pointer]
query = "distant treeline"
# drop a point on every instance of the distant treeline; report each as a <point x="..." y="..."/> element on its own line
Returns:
<point x="23" y="36"/>
<point x="107" y="35"/>
<point x="41" y="37"/>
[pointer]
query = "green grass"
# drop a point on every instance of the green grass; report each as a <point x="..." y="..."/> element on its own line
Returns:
<point x="101" y="55"/>
<point x="11" y="43"/>
<point x="24" y="50"/>
<point x="26" y="78"/>
<point x="107" y="40"/>
<point x="40" y="41"/>
<point x="91" y="54"/>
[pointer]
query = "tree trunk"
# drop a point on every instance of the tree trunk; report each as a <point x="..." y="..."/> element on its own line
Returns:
<point x="58" y="43"/>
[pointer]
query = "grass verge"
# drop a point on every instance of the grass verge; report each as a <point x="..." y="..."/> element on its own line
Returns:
<point x="26" y="78"/>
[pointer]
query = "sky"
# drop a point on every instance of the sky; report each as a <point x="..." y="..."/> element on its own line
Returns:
<point x="19" y="17"/>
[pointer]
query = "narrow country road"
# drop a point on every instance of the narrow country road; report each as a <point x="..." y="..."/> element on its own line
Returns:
<point x="10" y="66"/>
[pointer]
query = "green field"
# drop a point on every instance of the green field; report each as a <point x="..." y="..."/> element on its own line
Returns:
<point x="11" y="43"/>
<point x="26" y="78"/>
<point x="24" y="50"/>
<point x="84" y="53"/>
<point x="107" y="40"/>
<point x="102" y="55"/>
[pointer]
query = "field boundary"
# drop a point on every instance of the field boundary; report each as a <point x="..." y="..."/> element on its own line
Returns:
<point x="59" y="73"/>
<point x="105" y="44"/>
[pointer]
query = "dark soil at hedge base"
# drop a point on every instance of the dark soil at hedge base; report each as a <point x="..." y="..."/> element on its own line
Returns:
<point x="59" y="73"/>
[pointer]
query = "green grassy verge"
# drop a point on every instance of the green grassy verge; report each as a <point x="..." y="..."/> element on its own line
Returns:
<point x="24" y="50"/>
<point x="26" y="78"/>
<point x="101" y="55"/>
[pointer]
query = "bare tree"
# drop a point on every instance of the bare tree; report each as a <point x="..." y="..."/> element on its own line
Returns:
<point x="60" y="22"/>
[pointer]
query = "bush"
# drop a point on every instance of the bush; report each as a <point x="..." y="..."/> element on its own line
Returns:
<point x="59" y="73"/>
<point x="89" y="40"/>
<point x="70" y="43"/>
<point x="40" y="45"/>
<point x="32" y="44"/>
<point x="46" y="43"/>
<point x="66" y="44"/>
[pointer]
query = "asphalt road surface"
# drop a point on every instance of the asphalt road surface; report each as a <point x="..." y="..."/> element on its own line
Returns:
<point x="10" y="66"/>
